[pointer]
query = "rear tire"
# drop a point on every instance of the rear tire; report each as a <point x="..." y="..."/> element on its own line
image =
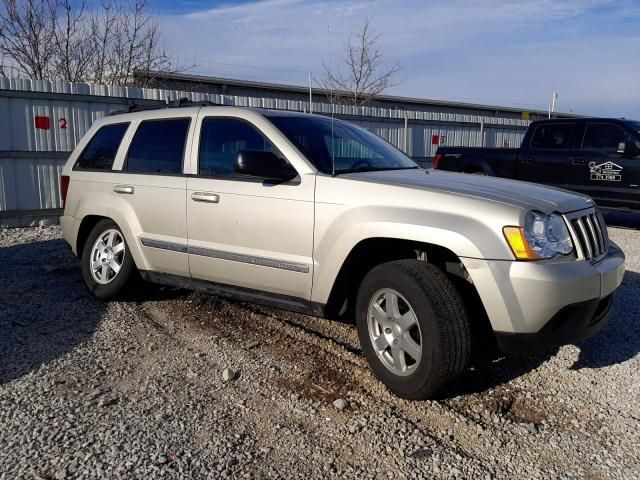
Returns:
<point x="426" y="321"/>
<point x="106" y="263"/>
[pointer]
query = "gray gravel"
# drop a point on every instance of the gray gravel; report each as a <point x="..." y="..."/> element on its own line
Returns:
<point x="136" y="389"/>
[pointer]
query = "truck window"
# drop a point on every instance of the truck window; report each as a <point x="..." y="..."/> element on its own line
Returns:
<point x="602" y="137"/>
<point x="552" y="136"/>
<point x="101" y="150"/>
<point x="220" y="141"/>
<point x="158" y="146"/>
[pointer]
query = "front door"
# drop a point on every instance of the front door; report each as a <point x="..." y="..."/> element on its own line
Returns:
<point x="547" y="158"/>
<point x="244" y="231"/>
<point x="599" y="171"/>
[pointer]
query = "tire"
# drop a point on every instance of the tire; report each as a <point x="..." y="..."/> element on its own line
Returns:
<point x="439" y="326"/>
<point x="113" y="284"/>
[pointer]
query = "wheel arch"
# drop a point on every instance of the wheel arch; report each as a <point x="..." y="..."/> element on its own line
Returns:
<point x="86" y="225"/>
<point x="477" y="165"/>
<point x="370" y="252"/>
<point x="90" y="221"/>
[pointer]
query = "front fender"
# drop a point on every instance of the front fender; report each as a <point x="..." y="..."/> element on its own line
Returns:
<point x="463" y="234"/>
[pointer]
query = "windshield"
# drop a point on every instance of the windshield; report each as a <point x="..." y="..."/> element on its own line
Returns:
<point x="635" y="126"/>
<point x="340" y="147"/>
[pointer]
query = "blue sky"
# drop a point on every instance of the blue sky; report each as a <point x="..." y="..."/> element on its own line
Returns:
<point x="503" y="52"/>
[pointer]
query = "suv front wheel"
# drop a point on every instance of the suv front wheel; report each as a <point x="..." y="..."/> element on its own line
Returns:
<point x="413" y="327"/>
<point x="106" y="261"/>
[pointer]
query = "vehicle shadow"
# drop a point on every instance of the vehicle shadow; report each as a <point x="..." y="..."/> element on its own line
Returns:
<point x="624" y="219"/>
<point x="617" y="342"/>
<point x="620" y="339"/>
<point x="45" y="308"/>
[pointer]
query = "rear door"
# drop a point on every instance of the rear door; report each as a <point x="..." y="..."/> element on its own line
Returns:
<point x="149" y="189"/>
<point x="598" y="170"/>
<point x="547" y="158"/>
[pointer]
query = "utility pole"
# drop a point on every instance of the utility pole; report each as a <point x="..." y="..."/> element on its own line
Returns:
<point x="406" y="133"/>
<point x="310" y="95"/>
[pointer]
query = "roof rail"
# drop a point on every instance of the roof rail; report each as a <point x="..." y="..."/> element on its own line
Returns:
<point x="181" y="102"/>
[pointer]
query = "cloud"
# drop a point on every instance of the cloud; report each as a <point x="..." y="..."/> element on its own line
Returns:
<point x="503" y="52"/>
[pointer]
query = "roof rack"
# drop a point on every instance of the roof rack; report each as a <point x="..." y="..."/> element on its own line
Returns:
<point x="181" y="102"/>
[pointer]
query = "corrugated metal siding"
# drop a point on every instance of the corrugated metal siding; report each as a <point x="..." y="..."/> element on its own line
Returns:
<point x="31" y="182"/>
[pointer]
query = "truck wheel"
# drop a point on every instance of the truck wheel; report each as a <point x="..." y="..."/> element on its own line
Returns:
<point x="413" y="327"/>
<point x="107" y="264"/>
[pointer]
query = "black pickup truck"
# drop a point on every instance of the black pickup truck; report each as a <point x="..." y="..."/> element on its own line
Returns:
<point x="596" y="156"/>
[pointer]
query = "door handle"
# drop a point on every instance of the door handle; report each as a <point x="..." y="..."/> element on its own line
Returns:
<point x="528" y="159"/>
<point x="205" y="197"/>
<point x="579" y="161"/>
<point x="128" y="189"/>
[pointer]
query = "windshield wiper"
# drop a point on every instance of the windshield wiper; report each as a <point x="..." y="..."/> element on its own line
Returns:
<point x="372" y="169"/>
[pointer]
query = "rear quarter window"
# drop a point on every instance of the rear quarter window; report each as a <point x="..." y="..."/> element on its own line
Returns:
<point x="100" y="152"/>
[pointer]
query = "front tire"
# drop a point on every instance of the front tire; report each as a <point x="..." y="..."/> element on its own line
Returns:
<point x="413" y="327"/>
<point x="106" y="263"/>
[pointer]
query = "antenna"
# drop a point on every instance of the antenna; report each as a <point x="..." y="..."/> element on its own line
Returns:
<point x="333" y="107"/>
<point x="333" y="144"/>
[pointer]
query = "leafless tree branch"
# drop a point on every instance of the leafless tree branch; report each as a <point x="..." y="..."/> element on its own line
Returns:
<point x="365" y="77"/>
<point x="116" y="42"/>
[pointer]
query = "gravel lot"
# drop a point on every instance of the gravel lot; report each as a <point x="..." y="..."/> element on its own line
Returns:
<point x="135" y="389"/>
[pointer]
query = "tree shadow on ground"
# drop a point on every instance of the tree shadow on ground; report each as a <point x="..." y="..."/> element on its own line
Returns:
<point x="619" y="341"/>
<point x="45" y="309"/>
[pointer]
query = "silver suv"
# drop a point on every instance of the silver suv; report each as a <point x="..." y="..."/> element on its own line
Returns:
<point x="318" y="216"/>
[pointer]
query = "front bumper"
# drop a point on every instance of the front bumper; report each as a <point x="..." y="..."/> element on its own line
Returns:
<point x="571" y="324"/>
<point x="536" y="305"/>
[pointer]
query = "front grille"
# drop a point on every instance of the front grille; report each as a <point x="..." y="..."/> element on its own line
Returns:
<point x="590" y="233"/>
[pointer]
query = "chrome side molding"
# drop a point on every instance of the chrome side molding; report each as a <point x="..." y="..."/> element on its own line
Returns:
<point x="223" y="255"/>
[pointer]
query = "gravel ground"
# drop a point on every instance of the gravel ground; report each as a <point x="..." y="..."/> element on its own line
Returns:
<point x="176" y="384"/>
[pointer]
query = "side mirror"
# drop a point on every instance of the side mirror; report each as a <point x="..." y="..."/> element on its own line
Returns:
<point x="628" y="148"/>
<point x="266" y="165"/>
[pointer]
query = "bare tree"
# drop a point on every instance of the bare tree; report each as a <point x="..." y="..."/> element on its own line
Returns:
<point x="363" y="76"/>
<point x="26" y="36"/>
<point x="116" y="42"/>
<point x="128" y="44"/>
<point x="73" y="44"/>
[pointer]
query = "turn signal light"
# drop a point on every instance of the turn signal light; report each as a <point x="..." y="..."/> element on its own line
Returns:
<point x="518" y="243"/>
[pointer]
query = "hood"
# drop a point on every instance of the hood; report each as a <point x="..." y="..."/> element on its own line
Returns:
<point x="529" y="196"/>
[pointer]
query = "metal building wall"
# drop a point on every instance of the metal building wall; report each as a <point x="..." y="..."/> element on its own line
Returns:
<point x="31" y="158"/>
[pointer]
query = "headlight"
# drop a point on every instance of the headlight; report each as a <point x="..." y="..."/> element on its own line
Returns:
<point x="543" y="236"/>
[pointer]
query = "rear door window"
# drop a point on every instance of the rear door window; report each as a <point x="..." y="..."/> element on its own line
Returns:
<point x="101" y="150"/>
<point x="552" y="136"/>
<point x="603" y="137"/>
<point x="158" y="146"/>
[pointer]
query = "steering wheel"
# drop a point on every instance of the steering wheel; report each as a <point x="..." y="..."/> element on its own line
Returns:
<point x="360" y="163"/>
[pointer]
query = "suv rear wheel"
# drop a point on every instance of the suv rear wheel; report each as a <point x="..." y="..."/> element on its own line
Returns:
<point x="413" y="327"/>
<point x="106" y="261"/>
